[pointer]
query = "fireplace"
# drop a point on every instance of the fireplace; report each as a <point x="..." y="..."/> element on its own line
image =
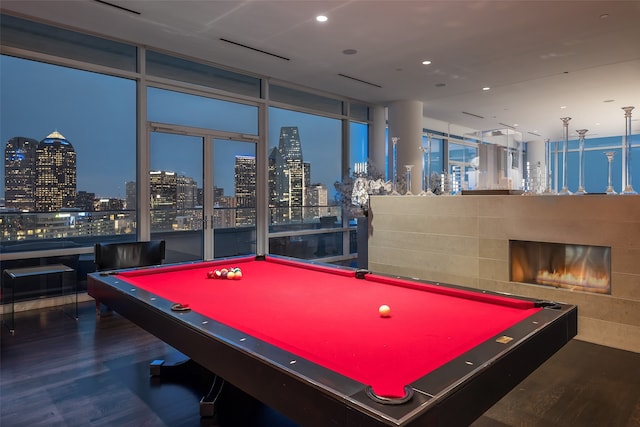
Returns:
<point x="577" y="267"/>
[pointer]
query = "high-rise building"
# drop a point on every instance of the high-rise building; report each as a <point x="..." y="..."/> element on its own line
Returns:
<point x="109" y="204"/>
<point x="163" y="199"/>
<point x="291" y="150"/>
<point x="245" y="190"/>
<point x="186" y="192"/>
<point x="85" y="201"/>
<point x="278" y="188"/>
<point x="19" y="173"/>
<point x="316" y="201"/>
<point x="306" y="182"/>
<point x="55" y="176"/>
<point x="130" y="195"/>
<point x="286" y="177"/>
<point x="224" y="211"/>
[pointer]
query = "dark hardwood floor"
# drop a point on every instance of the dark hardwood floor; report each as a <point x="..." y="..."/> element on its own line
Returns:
<point x="56" y="371"/>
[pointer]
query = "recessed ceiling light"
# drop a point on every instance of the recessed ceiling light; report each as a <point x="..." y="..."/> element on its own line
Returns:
<point x="604" y="16"/>
<point x="440" y="84"/>
<point x="515" y="125"/>
<point x="486" y="88"/>
<point x="321" y="18"/>
<point x="609" y="100"/>
<point x="349" y="51"/>
<point x="563" y="107"/>
<point x="426" y="62"/>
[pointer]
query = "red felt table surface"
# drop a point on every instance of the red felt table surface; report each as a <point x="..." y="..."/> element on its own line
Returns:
<point x="333" y="319"/>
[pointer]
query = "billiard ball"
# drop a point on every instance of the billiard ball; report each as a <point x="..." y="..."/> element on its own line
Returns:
<point x="238" y="274"/>
<point x="231" y="274"/>
<point x="211" y="274"/>
<point x="384" y="310"/>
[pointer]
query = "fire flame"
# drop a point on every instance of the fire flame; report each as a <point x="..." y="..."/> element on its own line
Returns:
<point x="571" y="280"/>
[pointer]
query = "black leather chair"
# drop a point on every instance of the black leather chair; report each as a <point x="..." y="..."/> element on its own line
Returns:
<point x="113" y="256"/>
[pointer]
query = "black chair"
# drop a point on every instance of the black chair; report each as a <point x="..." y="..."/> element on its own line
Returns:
<point x="114" y="256"/>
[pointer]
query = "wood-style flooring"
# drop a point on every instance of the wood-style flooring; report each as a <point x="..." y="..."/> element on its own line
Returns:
<point x="57" y="371"/>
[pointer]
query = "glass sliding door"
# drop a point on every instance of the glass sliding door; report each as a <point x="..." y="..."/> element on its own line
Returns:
<point x="234" y="204"/>
<point x="202" y="193"/>
<point x="176" y="176"/>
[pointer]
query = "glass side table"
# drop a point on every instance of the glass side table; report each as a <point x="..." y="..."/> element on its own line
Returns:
<point x="14" y="275"/>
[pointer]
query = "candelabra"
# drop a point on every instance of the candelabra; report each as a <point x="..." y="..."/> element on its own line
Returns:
<point x="565" y="155"/>
<point x="610" y="155"/>
<point x="626" y="154"/>
<point x="581" y="134"/>
<point x="395" y="140"/>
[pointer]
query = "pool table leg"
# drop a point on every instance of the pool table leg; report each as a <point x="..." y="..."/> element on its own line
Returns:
<point x="186" y="370"/>
<point x="100" y="311"/>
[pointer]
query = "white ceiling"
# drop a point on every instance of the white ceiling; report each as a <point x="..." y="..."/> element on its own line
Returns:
<point x="535" y="55"/>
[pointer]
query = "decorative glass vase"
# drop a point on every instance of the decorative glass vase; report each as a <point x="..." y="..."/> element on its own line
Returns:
<point x="408" y="179"/>
<point x="581" y="134"/>
<point x="610" y="155"/>
<point x="548" y="189"/>
<point x="394" y="191"/>
<point x="627" y="188"/>
<point x="565" y="155"/>
<point x="426" y="168"/>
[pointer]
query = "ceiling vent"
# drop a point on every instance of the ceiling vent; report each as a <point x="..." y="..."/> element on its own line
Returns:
<point x="115" y="6"/>
<point x="473" y="115"/>
<point x="255" y="49"/>
<point x="359" y="80"/>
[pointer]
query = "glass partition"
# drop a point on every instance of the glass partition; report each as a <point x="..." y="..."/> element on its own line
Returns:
<point x="499" y="159"/>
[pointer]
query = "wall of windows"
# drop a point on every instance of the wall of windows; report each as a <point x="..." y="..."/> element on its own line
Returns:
<point x="88" y="100"/>
<point x="304" y="162"/>
<point x="64" y="110"/>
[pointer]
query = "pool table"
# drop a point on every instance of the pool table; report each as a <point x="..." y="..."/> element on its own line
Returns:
<point x="308" y="340"/>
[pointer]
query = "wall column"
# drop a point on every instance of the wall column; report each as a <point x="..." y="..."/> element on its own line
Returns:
<point x="535" y="155"/>
<point x="405" y="122"/>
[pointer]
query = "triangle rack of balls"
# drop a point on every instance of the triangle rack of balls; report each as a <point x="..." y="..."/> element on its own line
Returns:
<point x="231" y="273"/>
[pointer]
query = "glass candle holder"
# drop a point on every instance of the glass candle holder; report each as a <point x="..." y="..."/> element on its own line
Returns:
<point x="581" y="134"/>
<point x="565" y="155"/>
<point x="408" y="179"/>
<point x="610" y="155"/>
<point x="394" y="191"/>
<point x="627" y="188"/>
